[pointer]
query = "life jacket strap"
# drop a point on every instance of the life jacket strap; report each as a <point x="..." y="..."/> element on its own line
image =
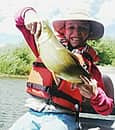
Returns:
<point x="38" y="90"/>
<point x="55" y="92"/>
<point x="37" y="86"/>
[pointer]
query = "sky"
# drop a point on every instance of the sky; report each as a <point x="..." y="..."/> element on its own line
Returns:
<point x="102" y="9"/>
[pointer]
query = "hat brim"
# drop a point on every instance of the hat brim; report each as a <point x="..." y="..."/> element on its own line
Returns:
<point x="96" y="32"/>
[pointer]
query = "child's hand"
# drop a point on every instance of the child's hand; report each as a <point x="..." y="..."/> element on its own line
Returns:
<point x="88" y="88"/>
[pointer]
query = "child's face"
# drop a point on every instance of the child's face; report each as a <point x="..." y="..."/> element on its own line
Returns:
<point x="76" y="32"/>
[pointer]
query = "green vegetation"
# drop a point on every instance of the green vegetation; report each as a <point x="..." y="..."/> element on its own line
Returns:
<point x="18" y="61"/>
<point x="106" y="51"/>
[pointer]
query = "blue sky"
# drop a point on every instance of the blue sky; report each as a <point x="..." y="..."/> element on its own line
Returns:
<point x="102" y="9"/>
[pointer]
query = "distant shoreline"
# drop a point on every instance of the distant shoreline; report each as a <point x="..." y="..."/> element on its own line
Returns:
<point x="103" y="69"/>
<point x="13" y="76"/>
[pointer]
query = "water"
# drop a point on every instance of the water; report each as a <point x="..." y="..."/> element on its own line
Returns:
<point x="12" y="99"/>
<point x="110" y="71"/>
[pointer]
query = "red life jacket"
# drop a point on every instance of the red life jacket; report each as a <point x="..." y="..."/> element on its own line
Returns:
<point x="41" y="84"/>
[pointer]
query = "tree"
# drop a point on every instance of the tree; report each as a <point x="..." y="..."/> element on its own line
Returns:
<point x="17" y="61"/>
<point x="104" y="50"/>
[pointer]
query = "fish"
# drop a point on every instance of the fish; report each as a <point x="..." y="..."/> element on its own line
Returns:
<point x="59" y="60"/>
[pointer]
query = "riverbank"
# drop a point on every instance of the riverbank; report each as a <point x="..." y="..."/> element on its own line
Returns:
<point x="103" y="69"/>
<point x="13" y="76"/>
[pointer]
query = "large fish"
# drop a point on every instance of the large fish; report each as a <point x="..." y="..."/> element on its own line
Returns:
<point x="57" y="58"/>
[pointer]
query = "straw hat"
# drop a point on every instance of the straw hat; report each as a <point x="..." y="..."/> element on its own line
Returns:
<point x="97" y="29"/>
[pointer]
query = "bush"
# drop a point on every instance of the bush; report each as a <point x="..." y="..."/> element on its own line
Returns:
<point x="16" y="62"/>
<point x="105" y="50"/>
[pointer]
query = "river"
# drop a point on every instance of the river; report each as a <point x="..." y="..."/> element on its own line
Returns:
<point x="12" y="99"/>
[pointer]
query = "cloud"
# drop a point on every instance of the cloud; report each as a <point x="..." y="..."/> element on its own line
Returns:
<point x="106" y="12"/>
<point x="8" y="10"/>
<point x="49" y="8"/>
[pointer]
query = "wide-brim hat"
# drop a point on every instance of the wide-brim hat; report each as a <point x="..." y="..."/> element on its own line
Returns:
<point x="97" y="28"/>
